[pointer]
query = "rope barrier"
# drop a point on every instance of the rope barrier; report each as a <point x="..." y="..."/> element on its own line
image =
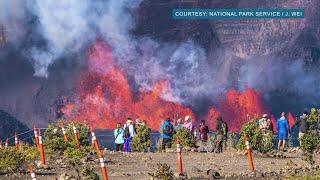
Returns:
<point x="107" y="134"/>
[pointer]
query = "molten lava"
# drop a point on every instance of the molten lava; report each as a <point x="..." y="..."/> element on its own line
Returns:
<point x="235" y="108"/>
<point x="105" y="96"/>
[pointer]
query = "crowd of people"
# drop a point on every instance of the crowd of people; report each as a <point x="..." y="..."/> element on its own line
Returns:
<point x="124" y="135"/>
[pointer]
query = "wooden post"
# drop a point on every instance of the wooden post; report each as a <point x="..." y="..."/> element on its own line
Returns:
<point x="95" y="142"/>
<point x="249" y="155"/>
<point x="65" y="137"/>
<point x="7" y="143"/>
<point x="42" y="155"/>
<point x="101" y="158"/>
<point x="76" y="136"/>
<point x="180" y="167"/>
<point x="103" y="169"/>
<point x="31" y="170"/>
<point x="36" y="136"/>
<point x="16" y="140"/>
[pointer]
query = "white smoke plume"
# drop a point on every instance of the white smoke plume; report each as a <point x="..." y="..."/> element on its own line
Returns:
<point x="72" y="26"/>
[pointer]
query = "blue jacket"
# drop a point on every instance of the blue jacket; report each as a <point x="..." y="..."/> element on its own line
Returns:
<point x="283" y="126"/>
<point x="164" y="125"/>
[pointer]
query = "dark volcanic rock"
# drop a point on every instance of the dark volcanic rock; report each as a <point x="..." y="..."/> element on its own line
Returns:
<point x="9" y="125"/>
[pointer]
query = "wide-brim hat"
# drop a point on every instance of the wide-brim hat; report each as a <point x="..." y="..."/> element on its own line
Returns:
<point x="129" y="121"/>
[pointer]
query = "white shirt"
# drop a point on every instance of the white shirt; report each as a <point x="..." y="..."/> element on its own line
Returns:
<point x="131" y="129"/>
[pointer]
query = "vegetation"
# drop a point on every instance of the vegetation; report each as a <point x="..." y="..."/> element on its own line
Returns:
<point x="310" y="141"/>
<point x="142" y="141"/>
<point x="10" y="159"/>
<point x="31" y="153"/>
<point x="83" y="133"/>
<point x="163" y="172"/>
<point x="258" y="141"/>
<point x="186" y="138"/>
<point x="89" y="174"/>
<point x="54" y="139"/>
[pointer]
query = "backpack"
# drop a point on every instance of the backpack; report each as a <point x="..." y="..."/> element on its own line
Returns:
<point x="168" y="129"/>
<point x="126" y="133"/>
<point x="224" y="128"/>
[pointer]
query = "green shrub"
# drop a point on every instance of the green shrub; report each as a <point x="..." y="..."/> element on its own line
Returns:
<point x="309" y="143"/>
<point x="186" y="138"/>
<point x="313" y="118"/>
<point x="142" y="141"/>
<point x="10" y="160"/>
<point x="163" y="172"/>
<point x="74" y="155"/>
<point x="89" y="173"/>
<point x="258" y="141"/>
<point x="31" y="153"/>
<point x="83" y="134"/>
<point x="54" y="140"/>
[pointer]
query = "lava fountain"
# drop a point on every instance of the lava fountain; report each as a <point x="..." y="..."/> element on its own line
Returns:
<point x="105" y="97"/>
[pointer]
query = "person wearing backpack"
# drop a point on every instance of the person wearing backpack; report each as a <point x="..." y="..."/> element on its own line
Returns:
<point x="221" y="135"/>
<point x="128" y="134"/>
<point x="119" y="139"/>
<point x="166" y="131"/>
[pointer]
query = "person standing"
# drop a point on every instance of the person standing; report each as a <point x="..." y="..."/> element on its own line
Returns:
<point x="303" y="125"/>
<point x="178" y="125"/>
<point x="166" y="131"/>
<point x="119" y="139"/>
<point x="221" y="136"/>
<point x="188" y="124"/>
<point x="203" y="130"/>
<point x="283" y="130"/>
<point x="129" y="133"/>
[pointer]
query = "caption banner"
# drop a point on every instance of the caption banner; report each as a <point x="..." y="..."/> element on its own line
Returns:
<point x="237" y="13"/>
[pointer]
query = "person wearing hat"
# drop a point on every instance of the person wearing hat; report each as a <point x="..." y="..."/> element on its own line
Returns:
<point x="264" y="124"/>
<point x="303" y="125"/>
<point x="129" y="133"/>
<point x="188" y="123"/>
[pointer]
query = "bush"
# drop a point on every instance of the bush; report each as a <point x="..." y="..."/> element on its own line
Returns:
<point x="89" y="174"/>
<point x="163" y="172"/>
<point x="309" y="143"/>
<point x="10" y="160"/>
<point x="54" y="140"/>
<point x="83" y="134"/>
<point x="74" y="155"/>
<point x="31" y="153"/>
<point x="142" y="141"/>
<point x="313" y="119"/>
<point x="186" y="138"/>
<point x="258" y="141"/>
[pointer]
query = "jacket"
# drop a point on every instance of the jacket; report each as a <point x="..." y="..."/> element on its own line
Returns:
<point x="118" y="135"/>
<point x="204" y="130"/>
<point x="283" y="126"/>
<point x="302" y="122"/>
<point x="166" y="124"/>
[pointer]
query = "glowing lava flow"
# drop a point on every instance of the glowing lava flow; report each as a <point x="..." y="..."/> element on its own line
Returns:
<point x="105" y="97"/>
<point x="235" y="107"/>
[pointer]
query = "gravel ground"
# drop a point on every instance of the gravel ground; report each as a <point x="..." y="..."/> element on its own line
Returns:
<point x="138" y="165"/>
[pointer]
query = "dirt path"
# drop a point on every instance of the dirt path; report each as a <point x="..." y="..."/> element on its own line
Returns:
<point x="137" y="165"/>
